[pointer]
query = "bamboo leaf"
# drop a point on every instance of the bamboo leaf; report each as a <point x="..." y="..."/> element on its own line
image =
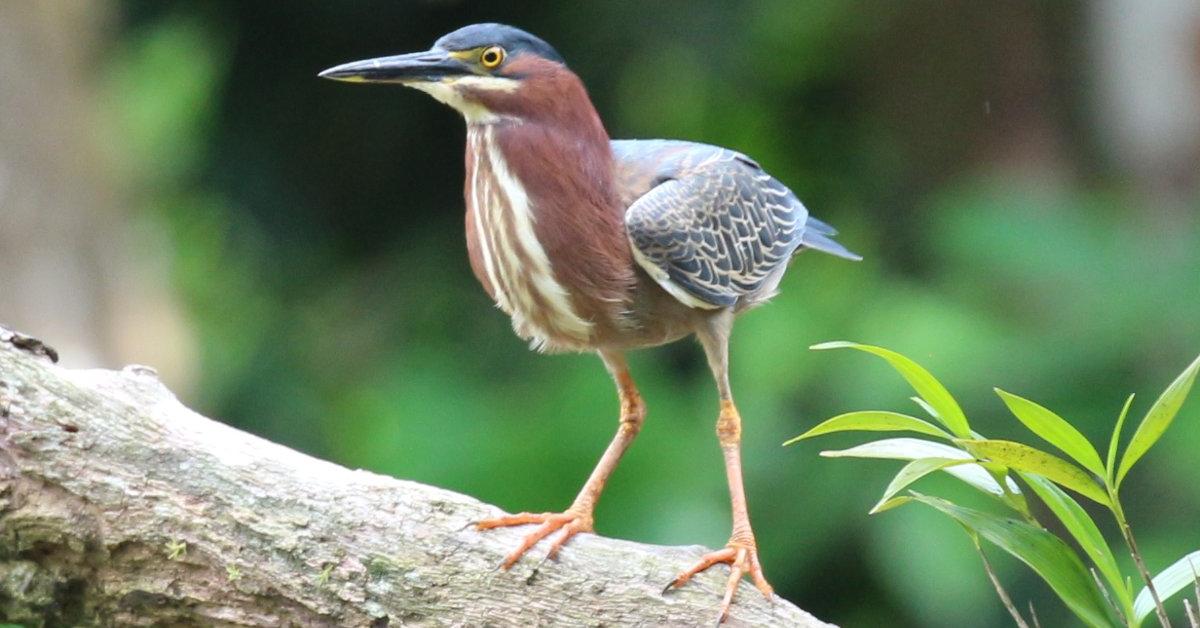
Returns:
<point x="1111" y="462"/>
<point x="931" y="390"/>
<point x="1055" y="430"/>
<point x="1085" y="532"/>
<point x="1043" y="552"/>
<point x="1172" y="580"/>
<point x="894" y="502"/>
<point x="915" y="448"/>
<point x="1158" y="418"/>
<point x="1026" y="458"/>
<point x="926" y="407"/>
<point x="912" y="472"/>
<point x="872" y="421"/>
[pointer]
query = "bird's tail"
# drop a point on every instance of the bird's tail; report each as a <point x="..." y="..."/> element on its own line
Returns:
<point x="819" y="237"/>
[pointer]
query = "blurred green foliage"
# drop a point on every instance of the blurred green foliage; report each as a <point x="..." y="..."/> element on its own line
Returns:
<point x="318" y="244"/>
<point x="1100" y="596"/>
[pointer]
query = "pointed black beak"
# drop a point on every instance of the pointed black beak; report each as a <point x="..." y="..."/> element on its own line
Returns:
<point x="431" y="65"/>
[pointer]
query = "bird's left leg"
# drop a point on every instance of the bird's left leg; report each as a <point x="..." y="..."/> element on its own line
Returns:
<point x="741" y="552"/>
<point x="578" y="518"/>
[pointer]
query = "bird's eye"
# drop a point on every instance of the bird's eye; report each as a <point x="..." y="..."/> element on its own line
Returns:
<point x="491" y="57"/>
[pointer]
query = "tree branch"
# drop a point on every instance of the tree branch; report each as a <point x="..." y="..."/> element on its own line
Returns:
<point x="119" y="506"/>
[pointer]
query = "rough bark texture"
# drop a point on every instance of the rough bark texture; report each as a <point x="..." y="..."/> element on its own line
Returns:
<point x="119" y="506"/>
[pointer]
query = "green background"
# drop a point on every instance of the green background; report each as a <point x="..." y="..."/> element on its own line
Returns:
<point x="317" y="243"/>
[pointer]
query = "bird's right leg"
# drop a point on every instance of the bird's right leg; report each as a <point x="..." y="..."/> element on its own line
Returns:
<point x="741" y="552"/>
<point x="578" y="518"/>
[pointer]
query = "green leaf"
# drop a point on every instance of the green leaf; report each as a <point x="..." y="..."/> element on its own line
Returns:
<point x="1172" y="580"/>
<point x="1026" y="458"/>
<point x="912" y="472"/>
<point x="894" y="502"/>
<point x="1158" y="419"/>
<point x="932" y="391"/>
<point x="1045" y="553"/>
<point x="1055" y="430"/>
<point x="926" y="407"/>
<point x="1111" y="462"/>
<point x="915" y="448"/>
<point x="872" y="421"/>
<point x="1085" y="531"/>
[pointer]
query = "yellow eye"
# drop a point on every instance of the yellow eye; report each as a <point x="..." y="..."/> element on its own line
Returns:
<point x="491" y="57"/>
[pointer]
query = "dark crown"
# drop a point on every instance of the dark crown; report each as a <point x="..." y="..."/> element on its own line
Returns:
<point x="513" y="40"/>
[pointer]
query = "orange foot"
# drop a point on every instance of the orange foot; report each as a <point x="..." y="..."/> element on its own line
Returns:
<point x="570" y="522"/>
<point x="742" y="559"/>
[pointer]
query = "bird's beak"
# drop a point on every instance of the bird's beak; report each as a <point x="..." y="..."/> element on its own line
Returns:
<point x="431" y="65"/>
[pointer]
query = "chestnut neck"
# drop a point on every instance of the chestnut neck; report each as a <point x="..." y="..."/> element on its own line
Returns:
<point x="553" y="142"/>
<point x="551" y="108"/>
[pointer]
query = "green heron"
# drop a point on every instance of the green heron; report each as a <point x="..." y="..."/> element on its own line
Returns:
<point x="592" y="244"/>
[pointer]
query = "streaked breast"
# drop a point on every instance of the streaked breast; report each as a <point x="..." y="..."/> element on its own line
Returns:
<point x="511" y="261"/>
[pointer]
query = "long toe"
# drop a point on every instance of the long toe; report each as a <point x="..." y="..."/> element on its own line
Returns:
<point x="742" y="560"/>
<point x="570" y="522"/>
<point x="760" y="581"/>
<point x="571" y="529"/>
<point x="726" y="555"/>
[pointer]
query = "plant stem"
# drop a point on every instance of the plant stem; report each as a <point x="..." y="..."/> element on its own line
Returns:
<point x="1127" y="533"/>
<point x="1007" y="601"/>
<point x="1112" y="604"/>
<point x="1033" y="615"/>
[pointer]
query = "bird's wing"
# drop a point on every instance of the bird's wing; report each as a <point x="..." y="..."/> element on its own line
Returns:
<point x="707" y="223"/>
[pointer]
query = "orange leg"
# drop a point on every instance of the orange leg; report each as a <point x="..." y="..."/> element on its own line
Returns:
<point x="741" y="552"/>
<point x="578" y="518"/>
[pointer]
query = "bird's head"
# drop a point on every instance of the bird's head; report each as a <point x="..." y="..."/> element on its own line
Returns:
<point x="487" y="72"/>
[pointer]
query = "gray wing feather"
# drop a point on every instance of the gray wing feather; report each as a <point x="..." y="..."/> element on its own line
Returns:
<point x="714" y="224"/>
<point x="820" y="226"/>
<point x="822" y="242"/>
